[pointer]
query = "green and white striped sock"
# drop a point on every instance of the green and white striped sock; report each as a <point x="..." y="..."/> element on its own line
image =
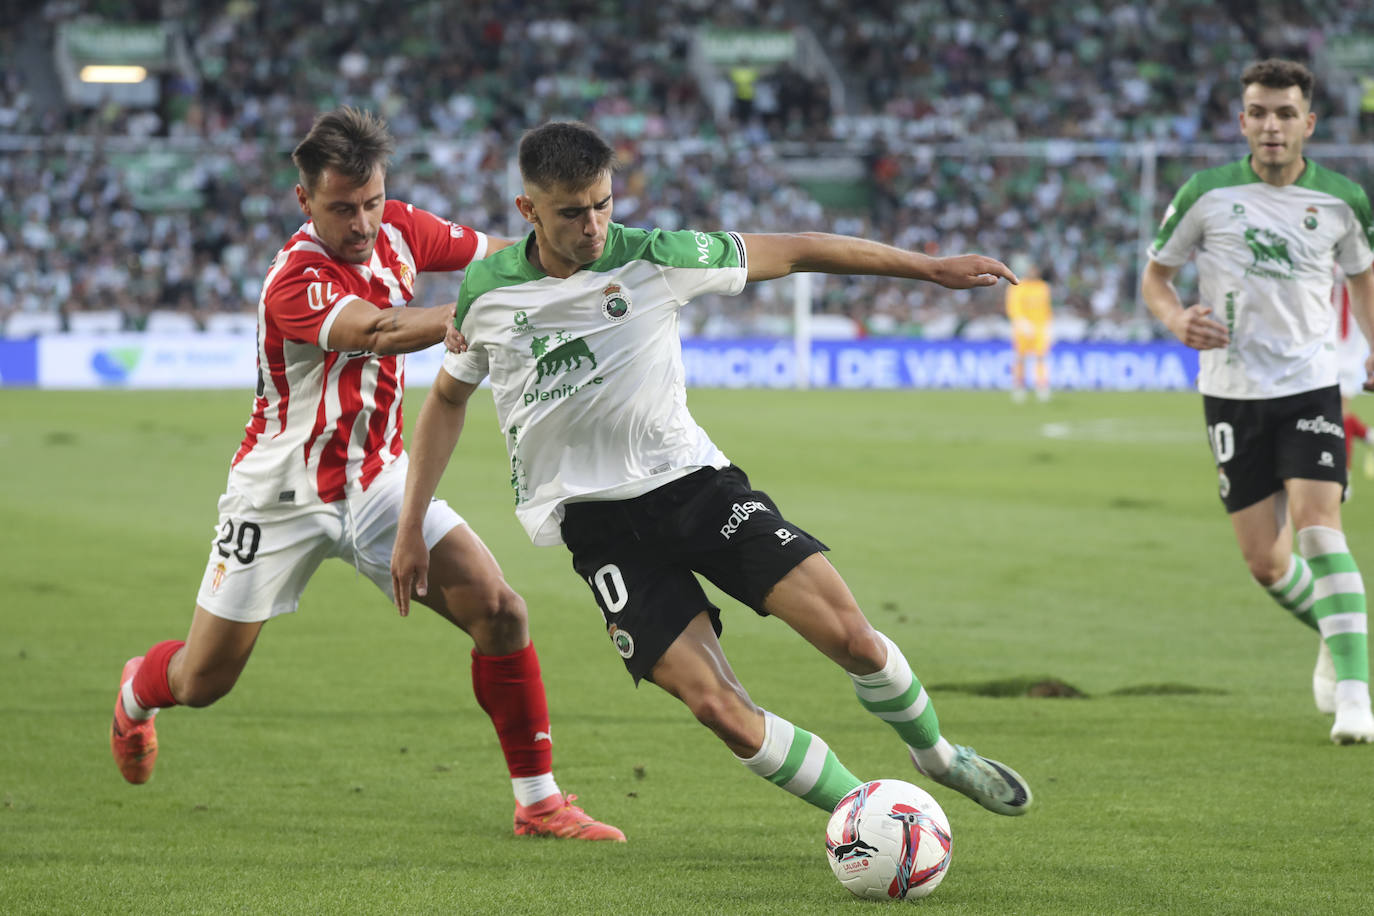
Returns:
<point x="1293" y="591"/>
<point x="801" y="763"/>
<point x="1338" y="602"/>
<point x="894" y="695"/>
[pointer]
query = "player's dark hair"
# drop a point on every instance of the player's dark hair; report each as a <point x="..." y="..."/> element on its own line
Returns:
<point x="566" y="154"/>
<point x="1279" y="74"/>
<point x="351" y="142"/>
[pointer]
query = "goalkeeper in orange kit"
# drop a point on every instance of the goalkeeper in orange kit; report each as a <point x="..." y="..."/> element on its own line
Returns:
<point x="1028" y="308"/>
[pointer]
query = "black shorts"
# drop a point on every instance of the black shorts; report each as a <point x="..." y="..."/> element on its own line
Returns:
<point x="1260" y="444"/>
<point x="639" y="556"/>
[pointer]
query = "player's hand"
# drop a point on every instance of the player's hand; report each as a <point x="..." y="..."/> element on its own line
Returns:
<point x="965" y="271"/>
<point x="409" y="569"/>
<point x="1194" y="328"/>
<point x="454" y="341"/>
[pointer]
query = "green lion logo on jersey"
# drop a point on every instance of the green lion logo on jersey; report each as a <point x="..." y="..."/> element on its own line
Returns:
<point x="1268" y="247"/>
<point x="567" y="355"/>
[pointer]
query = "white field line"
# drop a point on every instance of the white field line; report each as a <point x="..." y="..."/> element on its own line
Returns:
<point x="1119" y="429"/>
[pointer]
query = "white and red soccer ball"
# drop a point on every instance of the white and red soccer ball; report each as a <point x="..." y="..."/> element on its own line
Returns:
<point x="888" y="840"/>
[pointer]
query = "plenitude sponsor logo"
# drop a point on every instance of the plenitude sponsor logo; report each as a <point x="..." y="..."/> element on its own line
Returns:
<point x="558" y="392"/>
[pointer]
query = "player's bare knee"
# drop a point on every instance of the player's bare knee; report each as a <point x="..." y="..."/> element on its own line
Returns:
<point x="510" y="618"/>
<point x="496" y="618"/>
<point x="861" y="651"/>
<point x="1267" y="571"/>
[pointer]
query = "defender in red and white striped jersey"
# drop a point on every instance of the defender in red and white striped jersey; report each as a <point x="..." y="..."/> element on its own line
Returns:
<point x="327" y="418"/>
<point x="321" y="470"/>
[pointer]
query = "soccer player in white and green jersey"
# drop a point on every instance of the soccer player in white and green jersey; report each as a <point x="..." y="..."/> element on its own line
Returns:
<point x="577" y="328"/>
<point x="1267" y="231"/>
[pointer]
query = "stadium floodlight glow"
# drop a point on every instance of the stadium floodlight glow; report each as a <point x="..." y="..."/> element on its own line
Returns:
<point x="113" y="73"/>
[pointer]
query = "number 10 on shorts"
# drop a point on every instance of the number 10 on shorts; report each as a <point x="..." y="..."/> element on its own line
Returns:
<point x="1223" y="440"/>
<point x="610" y="585"/>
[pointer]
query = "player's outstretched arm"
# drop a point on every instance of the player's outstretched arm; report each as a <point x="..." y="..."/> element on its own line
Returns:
<point x="1193" y="325"/>
<point x="431" y="444"/>
<point x="779" y="254"/>
<point x="362" y="326"/>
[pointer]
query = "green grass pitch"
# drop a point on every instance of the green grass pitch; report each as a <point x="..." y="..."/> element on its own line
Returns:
<point x="351" y="771"/>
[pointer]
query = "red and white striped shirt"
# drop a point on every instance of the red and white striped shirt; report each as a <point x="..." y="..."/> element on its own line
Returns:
<point x="325" y="423"/>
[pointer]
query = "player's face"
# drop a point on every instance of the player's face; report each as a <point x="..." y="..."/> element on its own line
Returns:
<point x="1275" y="122"/>
<point x="347" y="216"/>
<point x="570" y="223"/>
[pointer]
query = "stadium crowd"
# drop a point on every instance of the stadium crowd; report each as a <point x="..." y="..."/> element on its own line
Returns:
<point x="181" y="208"/>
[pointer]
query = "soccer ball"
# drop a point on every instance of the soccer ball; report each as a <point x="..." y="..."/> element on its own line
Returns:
<point x="888" y="840"/>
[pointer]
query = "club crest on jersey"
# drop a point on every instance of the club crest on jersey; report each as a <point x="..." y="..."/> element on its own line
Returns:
<point x="615" y="302"/>
<point x="407" y="277"/>
<point x="1310" y="221"/>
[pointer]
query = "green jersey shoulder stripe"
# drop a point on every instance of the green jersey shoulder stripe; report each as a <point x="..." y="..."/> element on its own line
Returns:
<point x="1223" y="176"/>
<point x="1342" y="188"/>
<point x="1314" y="177"/>
<point x="681" y="248"/>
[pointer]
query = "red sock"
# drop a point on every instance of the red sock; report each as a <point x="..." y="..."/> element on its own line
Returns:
<point x="151" y="689"/>
<point x="1354" y="429"/>
<point x="510" y="690"/>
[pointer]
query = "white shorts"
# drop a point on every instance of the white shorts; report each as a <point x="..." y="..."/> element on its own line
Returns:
<point x="1352" y="352"/>
<point x="261" y="559"/>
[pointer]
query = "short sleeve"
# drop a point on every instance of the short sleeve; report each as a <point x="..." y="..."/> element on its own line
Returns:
<point x="435" y="243"/>
<point x="304" y="298"/>
<point x="702" y="262"/>
<point x="470" y="366"/>
<point x="1353" y="248"/>
<point x="1180" y="230"/>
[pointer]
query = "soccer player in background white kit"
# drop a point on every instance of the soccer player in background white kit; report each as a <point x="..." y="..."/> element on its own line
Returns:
<point x="577" y="328"/>
<point x="1267" y="231"/>
<point x="321" y="471"/>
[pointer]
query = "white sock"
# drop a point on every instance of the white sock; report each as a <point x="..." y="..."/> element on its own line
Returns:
<point x="1352" y="692"/>
<point x="777" y="738"/>
<point x="936" y="759"/>
<point x="530" y="789"/>
<point x="131" y="707"/>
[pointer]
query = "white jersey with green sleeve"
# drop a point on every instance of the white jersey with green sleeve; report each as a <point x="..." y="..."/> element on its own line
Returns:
<point x="586" y="371"/>
<point x="1264" y="264"/>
